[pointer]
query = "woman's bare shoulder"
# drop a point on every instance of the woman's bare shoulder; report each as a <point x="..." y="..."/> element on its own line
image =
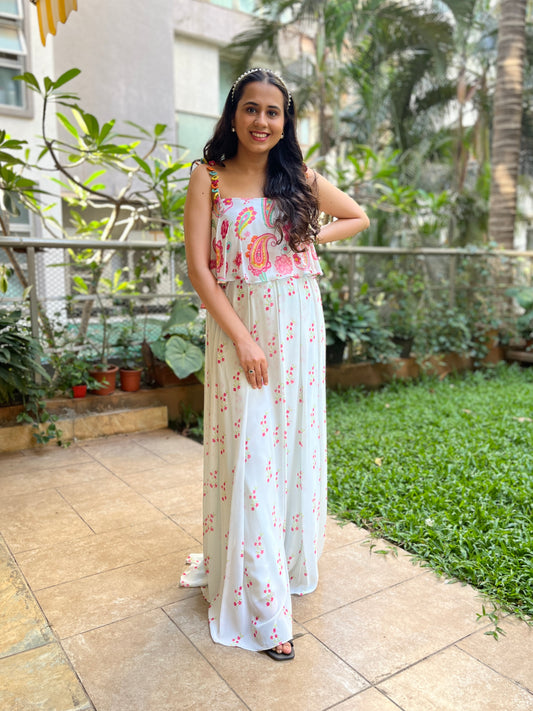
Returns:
<point x="200" y="177"/>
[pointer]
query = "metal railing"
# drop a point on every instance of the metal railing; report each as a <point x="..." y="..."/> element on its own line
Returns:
<point x="45" y="266"/>
<point x="447" y="273"/>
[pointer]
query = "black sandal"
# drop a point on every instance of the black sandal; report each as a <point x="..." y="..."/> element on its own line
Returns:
<point x="279" y="656"/>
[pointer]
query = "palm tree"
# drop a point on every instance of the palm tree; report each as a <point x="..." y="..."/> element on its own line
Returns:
<point x="355" y="47"/>
<point x="507" y="121"/>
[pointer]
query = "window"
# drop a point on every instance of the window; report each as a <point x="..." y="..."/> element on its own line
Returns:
<point x="20" y="225"/>
<point x="242" y="5"/>
<point x="12" y="54"/>
<point x="226" y="75"/>
<point x="193" y="132"/>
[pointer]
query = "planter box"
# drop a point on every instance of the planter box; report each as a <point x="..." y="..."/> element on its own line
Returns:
<point x="519" y="356"/>
<point x="165" y="377"/>
<point x="348" y="375"/>
<point x="446" y="363"/>
<point x="373" y="375"/>
<point x="400" y="369"/>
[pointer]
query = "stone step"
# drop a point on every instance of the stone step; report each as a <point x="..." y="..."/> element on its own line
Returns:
<point x="77" y="426"/>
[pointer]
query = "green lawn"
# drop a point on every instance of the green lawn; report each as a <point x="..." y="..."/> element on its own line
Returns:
<point x="445" y="470"/>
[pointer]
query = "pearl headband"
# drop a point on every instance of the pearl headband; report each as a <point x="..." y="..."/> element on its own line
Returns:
<point x="259" y="69"/>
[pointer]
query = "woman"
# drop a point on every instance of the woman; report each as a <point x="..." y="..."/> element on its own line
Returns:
<point x="251" y="220"/>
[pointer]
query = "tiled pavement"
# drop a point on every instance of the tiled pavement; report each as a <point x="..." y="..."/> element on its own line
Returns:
<point x="93" y="540"/>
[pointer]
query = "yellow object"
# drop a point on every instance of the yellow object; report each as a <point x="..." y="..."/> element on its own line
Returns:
<point x="50" y="12"/>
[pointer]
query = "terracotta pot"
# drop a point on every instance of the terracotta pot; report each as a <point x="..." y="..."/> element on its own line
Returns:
<point x="79" y="391"/>
<point x="130" y="380"/>
<point x="107" y="377"/>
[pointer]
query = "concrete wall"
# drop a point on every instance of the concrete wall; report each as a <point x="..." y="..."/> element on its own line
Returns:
<point x="210" y="23"/>
<point x="124" y="49"/>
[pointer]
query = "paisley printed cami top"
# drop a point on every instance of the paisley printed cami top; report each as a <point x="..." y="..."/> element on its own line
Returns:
<point x="245" y="244"/>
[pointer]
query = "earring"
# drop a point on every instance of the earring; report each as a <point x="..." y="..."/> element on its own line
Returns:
<point x="233" y="129"/>
<point x="282" y="135"/>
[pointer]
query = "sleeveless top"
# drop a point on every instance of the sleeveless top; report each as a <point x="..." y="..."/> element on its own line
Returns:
<point x="245" y="244"/>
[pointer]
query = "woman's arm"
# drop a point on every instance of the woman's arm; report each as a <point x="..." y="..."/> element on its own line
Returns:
<point x="350" y="217"/>
<point x="197" y="226"/>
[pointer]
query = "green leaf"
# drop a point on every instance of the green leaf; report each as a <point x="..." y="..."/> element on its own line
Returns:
<point x="143" y="164"/>
<point x="66" y="123"/>
<point x="81" y="285"/>
<point x="67" y="76"/>
<point x="159" y="129"/>
<point x="158" y="349"/>
<point x="79" y="116"/>
<point x="180" y="315"/>
<point x="29" y="79"/>
<point x="183" y="357"/>
<point x="106" y="129"/>
<point x="92" y="177"/>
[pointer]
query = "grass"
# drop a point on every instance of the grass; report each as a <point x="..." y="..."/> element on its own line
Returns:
<point x="445" y="470"/>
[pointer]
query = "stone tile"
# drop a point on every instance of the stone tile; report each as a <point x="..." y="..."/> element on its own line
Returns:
<point x="351" y="573"/>
<point x="121" y="454"/>
<point x="108" y="504"/>
<point x="342" y="533"/>
<point x="386" y="632"/>
<point x="453" y="680"/>
<point x="48" y="566"/>
<point x="171" y="446"/>
<point x="178" y="499"/>
<point x="368" y="700"/>
<point x="26" y="482"/>
<point x="161" y="478"/>
<point x="10" y="463"/>
<point x="41" y="679"/>
<point x="191" y="522"/>
<point x="146" y="663"/>
<point x="510" y="655"/>
<point x="82" y="605"/>
<point x="86" y="492"/>
<point x="29" y="519"/>
<point x="316" y="679"/>
<point x="43" y="458"/>
<point x="22" y="623"/>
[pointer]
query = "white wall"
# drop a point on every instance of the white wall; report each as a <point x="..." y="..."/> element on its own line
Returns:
<point x="209" y="23"/>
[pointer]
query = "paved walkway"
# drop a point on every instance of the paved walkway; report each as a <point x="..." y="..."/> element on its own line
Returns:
<point x="93" y="540"/>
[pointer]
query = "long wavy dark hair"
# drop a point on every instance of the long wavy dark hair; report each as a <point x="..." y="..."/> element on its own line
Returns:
<point x="286" y="172"/>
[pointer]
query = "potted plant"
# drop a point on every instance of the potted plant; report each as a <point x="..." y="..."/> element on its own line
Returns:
<point x="523" y="296"/>
<point x="402" y="292"/>
<point x="444" y="340"/>
<point x="102" y="370"/>
<point x="356" y="324"/>
<point x="20" y="362"/>
<point x="177" y="354"/>
<point x="340" y="320"/>
<point x="72" y="375"/>
<point x="130" y="358"/>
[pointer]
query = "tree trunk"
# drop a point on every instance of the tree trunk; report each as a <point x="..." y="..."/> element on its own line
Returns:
<point x="507" y="121"/>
